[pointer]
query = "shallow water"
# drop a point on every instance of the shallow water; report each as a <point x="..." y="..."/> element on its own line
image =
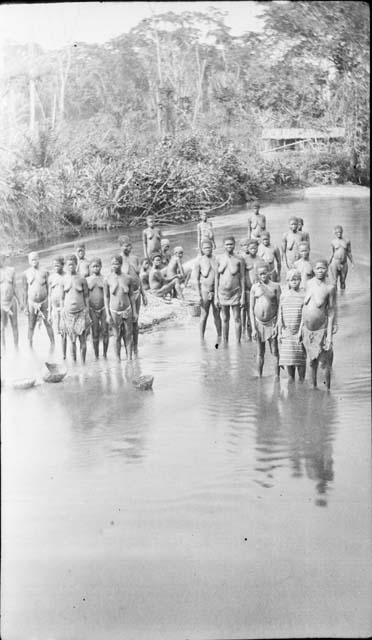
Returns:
<point x="217" y="505"/>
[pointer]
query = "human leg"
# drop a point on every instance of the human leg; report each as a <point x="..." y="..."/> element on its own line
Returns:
<point x="32" y="319"/>
<point x="217" y="319"/>
<point x="301" y="372"/>
<point x="225" y="313"/>
<point x="205" y="307"/>
<point x="95" y="331"/>
<point x="260" y="355"/>
<point x="128" y="336"/>
<point x="14" y="323"/>
<point x="238" y="322"/>
<point x="291" y="373"/>
<point x="83" y="346"/>
<point x="275" y="353"/>
<point x="343" y="274"/>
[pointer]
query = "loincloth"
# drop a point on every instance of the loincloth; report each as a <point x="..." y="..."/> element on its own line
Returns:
<point x="119" y="317"/>
<point x="314" y="343"/>
<point x="9" y="307"/>
<point x="74" y="324"/>
<point x="265" y="330"/>
<point x="230" y="298"/>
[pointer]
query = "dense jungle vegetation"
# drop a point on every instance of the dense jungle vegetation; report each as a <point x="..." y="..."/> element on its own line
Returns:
<point x="168" y="117"/>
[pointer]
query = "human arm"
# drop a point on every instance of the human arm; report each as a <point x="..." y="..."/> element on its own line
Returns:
<point x="331" y="316"/>
<point x="15" y="290"/>
<point x="24" y="292"/>
<point x="106" y="299"/>
<point x="85" y="293"/>
<point x="251" y="312"/>
<point x="197" y="279"/>
<point x="348" y="252"/>
<point x="278" y="259"/>
<point x="132" y="299"/>
<point x="216" y="283"/>
<point x="144" y="242"/>
<point x="279" y="324"/>
<point x="284" y="250"/>
<point x="242" y="281"/>
<point x="332" y="253"/>
<point x="212" y="237"/>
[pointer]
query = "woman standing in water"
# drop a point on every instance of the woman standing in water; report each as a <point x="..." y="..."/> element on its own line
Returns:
<point x="318" y="322"/>
<point x="75" y="315"/>
<point x="291" y="351"/>
<point x="35" y="297"/>
<point x="120" y="305"/>
<point x="230" y="288"/>
<point x="8" y="300"/>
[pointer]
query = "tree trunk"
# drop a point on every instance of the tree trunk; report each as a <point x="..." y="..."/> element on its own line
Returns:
<point x="201" y="71"/>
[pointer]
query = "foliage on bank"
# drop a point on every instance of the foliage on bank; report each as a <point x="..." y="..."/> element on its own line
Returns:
<point x="168" y="117"/>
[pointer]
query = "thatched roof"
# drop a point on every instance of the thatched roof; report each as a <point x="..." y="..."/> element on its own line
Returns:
<point x="302" y="134"/>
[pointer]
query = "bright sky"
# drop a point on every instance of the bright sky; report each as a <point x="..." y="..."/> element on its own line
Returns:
<point x="53" y="25"/>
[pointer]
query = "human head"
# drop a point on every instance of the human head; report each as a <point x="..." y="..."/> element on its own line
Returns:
<point x="207" y="247"/>
<point x="116" y="262"/>
<point x="256" y="206"/>
<point x="265" y="238"/>
<point x="338" y="231"/>
<point x="58" y="264"/>
<point x="33" y="259"/>
<point x="321" y="268"/>
<point x="96" y="265"/>
<point x="229" y="243"/>
<point x="80" y="250"/>
<point x="263" y="272"/>
<point x="156" y="260"/>
<point x="304" y="249"/>
<point x="125" y="244"/>
<point x="203" y="216"/>
<point x="71" y="263"/>
<point x="293" y="223"/>
<point x="293" y="278"/>
<point x="178" y="251"/>
<point x="300" y="223"/>
<point x="165" y="244"/>
<point x="253" y="247"/>
<point x="150" y="220"/>
<point x="145" y="263"/>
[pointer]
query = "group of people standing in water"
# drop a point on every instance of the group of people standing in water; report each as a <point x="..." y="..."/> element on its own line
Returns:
<point x="297" y="323"/>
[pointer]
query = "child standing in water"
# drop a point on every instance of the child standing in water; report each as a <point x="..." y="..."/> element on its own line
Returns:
<point x="55" y="284"/>
<point x="270" y="255"/>
<point x="264" y="304"/>
<point x="82" y="262"/>
<point x="291" y="351"/>
<point x="318" y="322"/>
<point x="205" y="231"/>
<point x="120" y="305"/>
<point x="75" y="315"/>
<point x="248" y="253"/>
<point x="35" y="297"/>
<point x="341" y="253"/>
<point x="205" y="275"/>
<point x="305" y="237"/>
<point x="291" y="240"/>
<point x="303" y="264"/>
<point x="151" y="238"/>
<point x="97" y="309"/>
<point x="8" y="300"/>
<point x="230" y="288"/>
<point x="256" y="222"/>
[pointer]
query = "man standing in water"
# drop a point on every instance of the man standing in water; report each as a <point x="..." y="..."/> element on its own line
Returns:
<point x="256" y="222"/>
<point x="264" y="304"/>
<point x="205" y="276"/>
<point x="341" y="253"/>
<point x="230" y="288"/>
<point x="8" y="300"/>
<point x="318" y="322"/>
<point x="35" y="297"/>
<point x="82" y="262"/>
<point x="132" y="267"/>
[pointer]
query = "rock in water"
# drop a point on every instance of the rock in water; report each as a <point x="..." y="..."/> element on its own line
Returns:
<point x="24" y="383"/>
<point x="143" y="382"/>
<point x="53" y="372"/>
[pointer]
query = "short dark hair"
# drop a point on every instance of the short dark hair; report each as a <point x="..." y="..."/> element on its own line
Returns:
<point x="71" y="258"/>
<point x="118" y="258"/>
<point x="97" y="260"/>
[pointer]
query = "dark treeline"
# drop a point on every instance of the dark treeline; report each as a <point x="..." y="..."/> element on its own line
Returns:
<point x="168" y="117"/>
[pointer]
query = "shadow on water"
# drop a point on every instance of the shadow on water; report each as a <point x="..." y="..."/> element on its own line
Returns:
<point x="296" y="424"/>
